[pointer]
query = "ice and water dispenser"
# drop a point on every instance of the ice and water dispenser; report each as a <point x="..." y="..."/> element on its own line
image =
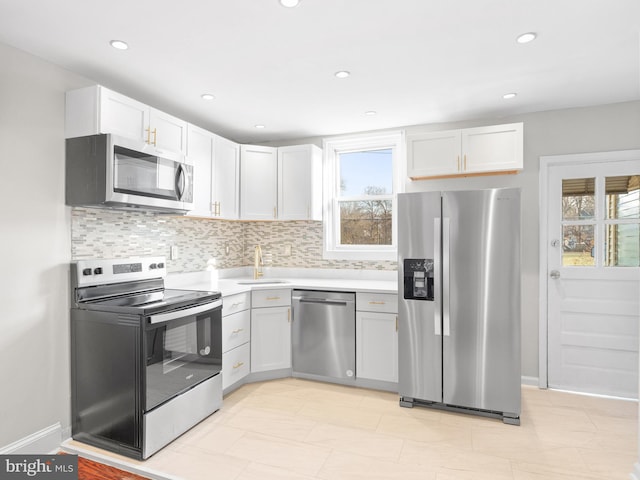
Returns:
<point x="418" y="279"/>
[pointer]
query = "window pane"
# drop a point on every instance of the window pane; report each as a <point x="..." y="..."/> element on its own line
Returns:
<point x="623" y="246"/>
<point x="577" y="245"/>
<point x="365" y="223"/>
<point x="623" y="196"/>
<point x="578" y="198"/>
<point x="366" y="173"/>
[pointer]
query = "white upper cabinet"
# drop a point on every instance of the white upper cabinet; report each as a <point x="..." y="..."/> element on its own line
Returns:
<point x="481" y="150"/>
<point x="258" y="183"/>
<point x="226" y="179"/>
<point x="300" y="183"/>
<point x="493" y="149"/>
<point x="200" y="155"/>
<point x="95" y="109"/>
<point x="433" y="153"/>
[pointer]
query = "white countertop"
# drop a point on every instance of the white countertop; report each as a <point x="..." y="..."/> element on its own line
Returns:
<point x="310" y="279"/>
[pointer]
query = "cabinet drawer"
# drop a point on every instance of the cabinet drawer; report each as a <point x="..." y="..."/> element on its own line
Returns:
<point x="377" y="302"/>
<point x="236" y="330"/>
<point x="235" y="365"/>
<point x="280" y="297"/>
<point x="236" y="303"/>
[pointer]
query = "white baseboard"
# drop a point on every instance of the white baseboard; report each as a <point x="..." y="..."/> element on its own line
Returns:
<point x="533" y="381"/>
<point x="47" y="440"/>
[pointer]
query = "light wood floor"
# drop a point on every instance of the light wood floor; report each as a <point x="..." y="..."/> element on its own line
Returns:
<point x="294" y="429"/>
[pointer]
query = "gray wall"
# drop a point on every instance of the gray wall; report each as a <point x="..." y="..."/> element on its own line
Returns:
<point x="577" y="130"/>
<point x="35" y="234"/>
<point x="34" y="246"/>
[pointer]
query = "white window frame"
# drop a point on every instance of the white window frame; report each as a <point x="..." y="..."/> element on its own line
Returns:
<point x="332" y="148"/>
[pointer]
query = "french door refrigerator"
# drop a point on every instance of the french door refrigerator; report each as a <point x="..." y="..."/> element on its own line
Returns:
<point x="459" y="301"/>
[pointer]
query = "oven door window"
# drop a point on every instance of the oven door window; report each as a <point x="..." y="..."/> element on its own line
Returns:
<point x="180" y="354"/>
<point x="138" y="173"/>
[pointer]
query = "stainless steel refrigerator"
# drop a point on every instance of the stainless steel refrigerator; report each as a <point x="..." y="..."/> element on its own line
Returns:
<point x="459" y="301"/>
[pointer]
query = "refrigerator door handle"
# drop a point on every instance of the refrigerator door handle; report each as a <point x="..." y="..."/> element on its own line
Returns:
<point x="446" y="324"/>
<point x="437" y="294"/>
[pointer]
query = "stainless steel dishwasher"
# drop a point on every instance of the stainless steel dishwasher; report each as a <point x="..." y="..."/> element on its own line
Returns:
<point x="324" y="335"/>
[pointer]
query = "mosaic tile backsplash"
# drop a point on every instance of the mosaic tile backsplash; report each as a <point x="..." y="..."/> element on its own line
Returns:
<point x="105" y="233"/>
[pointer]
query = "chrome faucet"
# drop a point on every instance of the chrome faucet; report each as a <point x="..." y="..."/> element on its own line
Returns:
<point x="258" y="262"/>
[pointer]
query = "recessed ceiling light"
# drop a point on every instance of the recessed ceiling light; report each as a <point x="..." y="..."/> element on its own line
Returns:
<point x="259" y="126"/>
<point x="119" y="44"/>
<point x="526" y="37"/>
<point x="289" y="3"/>
<point x="207" y="96"/>
<point x="371" y="113"/>
<point x="507" y="96"/>
<point x="342" y="74"/>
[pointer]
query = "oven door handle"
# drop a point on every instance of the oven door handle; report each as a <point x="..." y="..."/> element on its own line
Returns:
<point x="165" y="317"/>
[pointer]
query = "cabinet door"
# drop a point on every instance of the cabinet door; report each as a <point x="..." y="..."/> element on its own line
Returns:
<point x="236" y="330"/>
<point x="226" y="179"/>
<point x="258" y="183"/>
<point x="377" y="346"/>
<point x="433" y="153"/>
<point x="200" y="155"/>
<point x="299" y="183"/>
<point x="123" y="116"/>
<point x="167" y="132"/>
<point x="270" y="338"/>
<point x="493" y="149"/>
<point x="235" y="365"/>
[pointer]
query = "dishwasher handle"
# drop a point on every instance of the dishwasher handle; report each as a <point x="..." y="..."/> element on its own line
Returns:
<point x="322" y="301"/>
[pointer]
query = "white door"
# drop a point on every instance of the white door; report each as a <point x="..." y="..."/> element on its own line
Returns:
<point x="592" y="274"/>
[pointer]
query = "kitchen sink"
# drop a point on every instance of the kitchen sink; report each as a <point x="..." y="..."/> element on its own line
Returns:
<point x="261" y="281"/>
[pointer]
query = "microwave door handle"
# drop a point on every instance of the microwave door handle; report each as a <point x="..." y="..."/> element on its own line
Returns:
<point x="180" y="181"/>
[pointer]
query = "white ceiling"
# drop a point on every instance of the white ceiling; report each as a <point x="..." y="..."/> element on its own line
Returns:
<point x="412" y="61"/>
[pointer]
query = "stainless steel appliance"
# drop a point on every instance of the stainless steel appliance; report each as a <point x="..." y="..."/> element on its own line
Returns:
<point x="145" y="360"/>
<point x="324" y="335"/>
<point x="110" y="171"/>
<point x="459" y="301"/>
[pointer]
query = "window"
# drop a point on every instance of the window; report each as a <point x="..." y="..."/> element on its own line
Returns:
<point x="601" y="220"/>
<point x="362" y="179"/>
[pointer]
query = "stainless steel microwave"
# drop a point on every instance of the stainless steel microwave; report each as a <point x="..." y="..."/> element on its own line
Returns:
<point x="110" y="171"/>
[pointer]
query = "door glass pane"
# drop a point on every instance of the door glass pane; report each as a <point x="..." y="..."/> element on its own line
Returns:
<point x="365" y="222"/>
<point x="622" y="247"/>
<point x="578" y="198"/>
<point x="577" y="245"/>
<point x="623" y="196"/>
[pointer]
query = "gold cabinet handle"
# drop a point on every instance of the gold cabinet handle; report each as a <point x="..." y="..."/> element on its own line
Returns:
<point x="288" y="315"/>
<point x="218" y="209"/>
<point x="155" y="136"/>
<point x="238" y="365"/>
<point x="275" y="212"/>
<point x="238" y="330"/>
<point x="373" y="302"/>
<point x="458" y="162"/>
<point x="465" y="163"/>
<point x="270" y="299"/>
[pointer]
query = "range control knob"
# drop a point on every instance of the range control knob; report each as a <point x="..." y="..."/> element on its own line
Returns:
<point x="161" y="265"/>
<point x="97" y="271"/>
<point x="86" y="271"/>
<point x="153" y="266"/>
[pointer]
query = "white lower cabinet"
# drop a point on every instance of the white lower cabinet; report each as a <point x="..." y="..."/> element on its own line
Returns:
<point x="270" y="330"/>
<point x="235" y="365"/>
<point x="236" y="336"/>
<point x="377" y="337"/>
